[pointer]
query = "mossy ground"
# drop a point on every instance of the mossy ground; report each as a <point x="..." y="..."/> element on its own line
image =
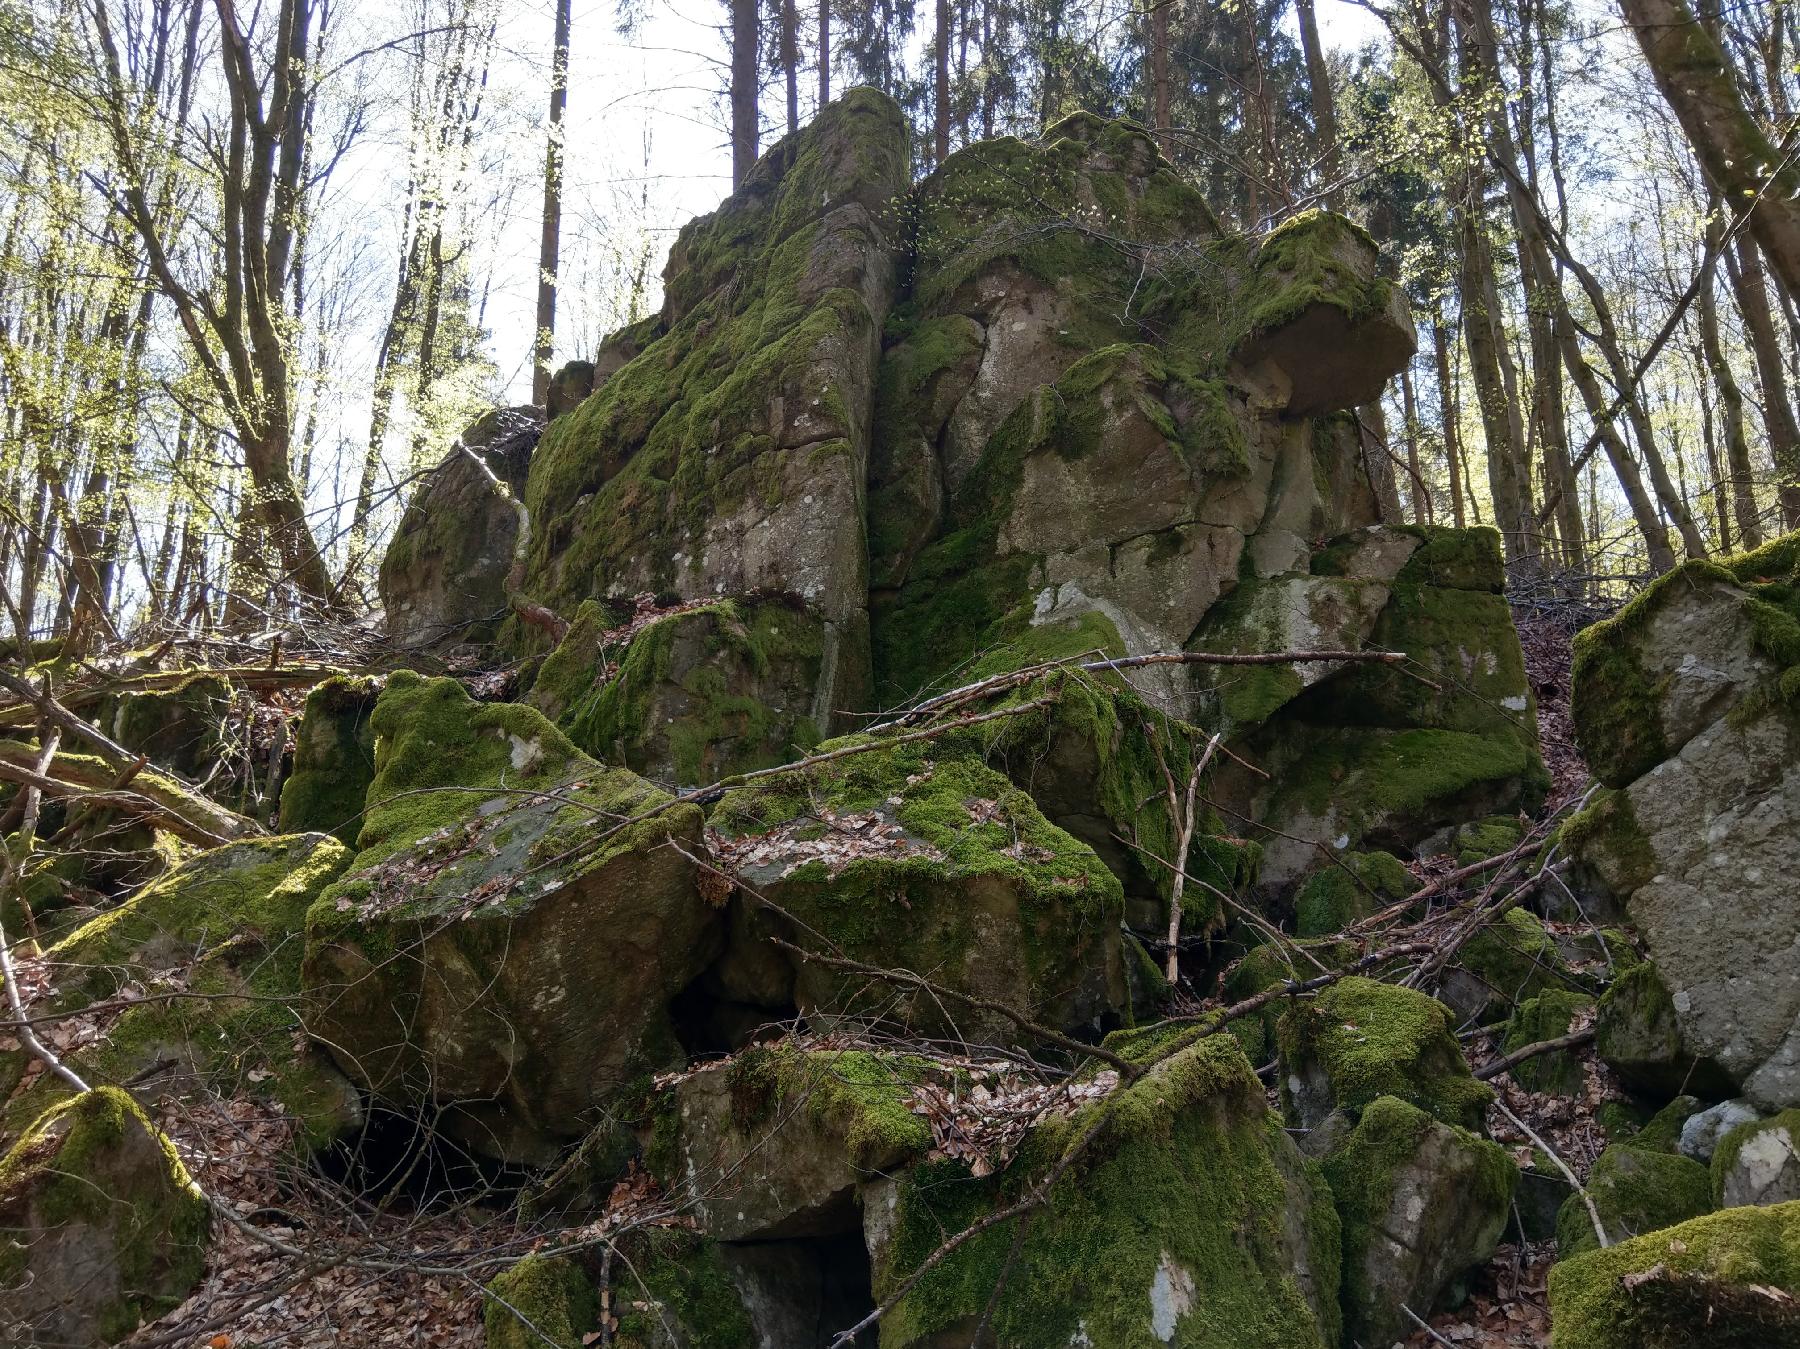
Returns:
<point x="1188" y="1174"/>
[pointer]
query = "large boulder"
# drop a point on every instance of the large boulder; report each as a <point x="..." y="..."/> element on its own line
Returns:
<point x="1187" y="1218"/>
<point x="1422" y="1204"/>
<point x="334" y="759"/>
<point x="919" y="858"/>
<point x="1731" y="1278"/>
<point x="443" y="578"/>
<point x="101" y="1228"/>
<point x="1684" y="704"/>
<point x="221" y="932"/>
<point x="507" y="942"/>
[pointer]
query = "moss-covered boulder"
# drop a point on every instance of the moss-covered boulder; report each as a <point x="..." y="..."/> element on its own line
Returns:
<point x="1350" y="887"/>
<point x="1638" y="1036"/>
<point x="1360" y="1039"/>
<point x="101" y="1228"/>
<point x="334" y="760"/>
<point x="207" y="959"/>
<point x="918" y="858"/>
<point x="1758" y="1163"/>
<point x="1189" y="1218"/>
<point x="1508" y="961"/>
<point x="544" y="1300"/>
<point x="1422" y="1204"/>
<point x="508" y="940"/>
<point x="779" y="1141"/>
<point x="1685" y="703"/>
<point x="1549" y="1016"/>
<point x="176" y="728"/>
<point x="1729" y="1279"/>
<point x="1636" y="1189"/>
<point x="443" y="577"/>
<point x="701" y="693"/>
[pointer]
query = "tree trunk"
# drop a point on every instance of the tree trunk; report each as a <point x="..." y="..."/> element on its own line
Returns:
<point x="1731" y="409"/>
<point x="790" y="60"/>
<point x="1778" y="409"/>
<point x="824" y="53"/>
<point x="745" y="127"/>
<point x="1324" y="106"/>
<point x="940" y="130"/>
<point x="550" y="241"/>
<point x="1749" y="172"/>
<point x="1448" y="411"/>
<point x="1159" y="77"/>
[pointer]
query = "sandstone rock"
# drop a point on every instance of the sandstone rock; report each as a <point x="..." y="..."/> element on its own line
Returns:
<point x="568" y="386"/>
<point x="334" y="760"/>
<point x="1758" y="1163"/>
<point x="778" y="1142"/>
<point x="1702" y="1131"/>
<point x="1422" y="1204"/>
<point x="227" y="926"/>
<point x="101" y="1228"/>
<point x="1359" y="1040"/>
<point x="1635" y="1189"/>
<point x="1639" y="1038"/>
<point x="1684" y="704"/>
<point x="1190" y="1220"/>
<point x="507" y="942"/>
<point x="443" y="578"/>
<point x="918" y="858"/>
<point x="1729" y="1278"/>
<point x="702" y="693"/>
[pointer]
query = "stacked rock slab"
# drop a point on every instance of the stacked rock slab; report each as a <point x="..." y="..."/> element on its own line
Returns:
<point x="1684" y="704"/>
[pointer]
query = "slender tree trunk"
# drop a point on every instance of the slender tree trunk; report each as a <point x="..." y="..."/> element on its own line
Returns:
<point x="1719" y="494"/>
<point x="1778" y="410"/>
<point x="940" y="130"/>
<point x="550" y="241"/>
<point x="745" y="128"/>
<point x="1731" y="409"/>
<point x="1420" y="493"/>
<point x="1749" y="171"/>
<point x="1159" y="77"/>
<point x="1448" y="410"/>
<point x="824" y="53"/>
<point x="1324" y="105"/>
<point x="790" y="60"/>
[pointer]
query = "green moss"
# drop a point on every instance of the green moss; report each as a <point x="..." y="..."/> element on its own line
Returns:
<point x="1726" y="1259"/>
<point x="72" y="1169"/>
<point x="1186" y="1176"/>
<point x="1546" y="1017"/>
<point x="177" y="727"/>
<point x="543" y="1302"/>
<point x="229" y="922"/>
<point x="1607" y="832"/>
<point x="1267" y="964"/>
<point x="1336" y="896"/>
<point x="1635" y="1190"/>
<point x="1360" y="1039"/>
<point x="1472" y="843"/>
<point x="858" y="1096"/>
<point x="1639" y="1036"/>
<point x="1302" y="262"/>
<point x="1362" y="1173"/>
<point x="1514" y="958"/>
<point x="334" y="760"/>
<point x="673" y="1280"/>
<point x="1662" y="1131"/>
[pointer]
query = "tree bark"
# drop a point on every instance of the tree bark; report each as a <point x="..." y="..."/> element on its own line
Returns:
<point x="1691" y="70"/>
<point x="940" y="130"/>
<point x="1448" y="411"/>
<point x="1324" y="105"/>
<point x="1159" y="77"/>
<point x="550" y="241"/>
<point x="1746" y="275"/>
<point x="824" y="53"/>
<point x="745" y="128"/>
<point x="1731" y="411"/>
<point x="790" y="60"/>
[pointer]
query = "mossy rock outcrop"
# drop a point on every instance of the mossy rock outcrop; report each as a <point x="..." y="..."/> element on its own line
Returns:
<point x="443" y="577"/>
<point x="778" y="1142"/>
<point x="334" y="760"/>
<point x="209" y="955"/>
<point x="1687" y="704"/>
<point x="101" y="1228"/>
<point x="1729" y="1279"/>
<point x="1359" y="1040"/>
<point x="508" y="940"/>
<point x="918" y="858"/>
<point x="1190" y="1219"/>
<point x="702" y="693"/>
<point x="1422" y="1204"/>
<point x="1638" y="1036"/>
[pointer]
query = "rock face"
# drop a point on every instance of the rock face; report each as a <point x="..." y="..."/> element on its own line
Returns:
<point x="493" y="920"/>
<point x="1683" y="703"/>
<point x="103" y="1228"/>
<point x="443" y="578"/>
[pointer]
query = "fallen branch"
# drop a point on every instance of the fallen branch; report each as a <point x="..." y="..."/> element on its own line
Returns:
<point x="1562" y="1166"/>
<point x="1531" y="1051"/>
<point x="150" y="797"/>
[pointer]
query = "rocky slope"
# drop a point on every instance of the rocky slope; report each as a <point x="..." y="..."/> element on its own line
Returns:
<point x="982" y="607"/>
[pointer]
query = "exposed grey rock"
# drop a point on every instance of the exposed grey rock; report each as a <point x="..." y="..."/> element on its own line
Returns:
<point x="1759" y="1163"/>
<point x="1702" y="1131"/>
